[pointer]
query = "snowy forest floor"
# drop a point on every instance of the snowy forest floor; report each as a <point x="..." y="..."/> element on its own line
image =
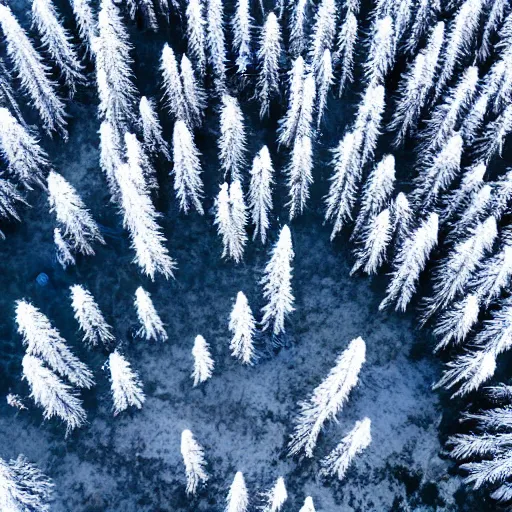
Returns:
<point x="242" y="416"/>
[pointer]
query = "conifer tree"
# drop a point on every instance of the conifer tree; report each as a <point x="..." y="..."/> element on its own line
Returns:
<point x="151" y="129"/>
<point x="44" y="341"/>
<point x="203" y="362"/>
<point x="62" y="250"/>
<point x="9" y="199"/>
<point x="426" y="11"/>
<point x="472" y="122"/>
<point x="34" y="75"/>
<point x="495" y="16"/>
<point x="73" y="217"/>
<point x="238" y="497"/>
<point x="345" y="49"/>
<point x="111" y="156"/>
<point x="232" y="140"/>
<point x="276" y="497"/>
<point x="193" y="458"/>
<point x="125" y="384"/>
<point x="174" y="94"/>
<point x="476" y="210"/>
<point x="55" y="397"/>
<point x="269" y="54"/>
<point x="325" y="79"/>
<point x="196" y="36"/>
<point x="324" y="30"/>
<point x="195" y="98"/>
<point x="151" y="325"/>
<point x="57" y="41"/>
<point x="402" y="217"/>
<point x="90" y="318"/>
<point x="7" y="97"/>
<point x="308" y="505"/>
<point x="381" y="55"/>
<point x="297" y="27"/>
<point x="494" y="135"/>
<point x="215" y="42"/>
<point x="409" y="262"/>
<point x="357" y="440"/>
<point x="260" y="192"/>
<point x="187" y="169"/>
<point x="242" y="28"/>
<point x="277" y="288"/>
<point x="243" y="326"/>
<point x="300" y="177"/>
<point x="85" y="21"/>
<point x="328" y="399"/>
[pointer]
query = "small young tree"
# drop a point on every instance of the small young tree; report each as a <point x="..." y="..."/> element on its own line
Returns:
<point x="260" y="192"/>
<point x="187" y="169"/>
<point x="276" y="497"/>
<point x="238" y="497"/>
<point x="125" y="384"/>
<point x="269" y="54"/>
<point x="300" y="176"/>
<point x="85" y="21"/>
<point x="33" y="74"/>
<point x="196" y="37"/>
<point x="57" y="41"/>
<point x="381" y="54"/>
<point x="193" y="458"/>
<point x="277" y="286"/>
<point x="151" y="326"/>
<point x="90" y="318"/>
<point x="203" y="362"/>
<point x="409" y="262"/>
<point x="62" y="250"/>
<point x="232" y="142"/>
<point x="297" y="27"/>
<point x="345" y="48"/>
<point x="327" y="399"/>
<point x="242" y="27"/>
<point x="151" y="129"/>
<point x="243" y="326"/>
<point x="215" y="42"/>
<point x="357" y="440"/>
<point x="194" y="95"/>
<point x="308" y="505"/>
<point x="174" y="94"/>
<point x="55" y="397"/>
<point x="325" y="79"/>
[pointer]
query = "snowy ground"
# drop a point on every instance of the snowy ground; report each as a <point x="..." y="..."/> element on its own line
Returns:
<point x="243" y="416"/>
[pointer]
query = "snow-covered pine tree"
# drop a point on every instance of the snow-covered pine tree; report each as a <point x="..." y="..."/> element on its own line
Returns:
<point x="307" y="108"/>
<point x="151" y="325"/>
<point x="7" y="96"/>
<point x="493" y="18"/>
<point x="139" y="162"/>
<point x="260" y="192"/>
<point x="345" y="49"/>
<point x="193" y="458"/>
<point x="195" y="97"/>
<point x="44" y="341"/>
<point x="73" y="217"/>
<point x="325" y="78"/>
<point x="297" y="27"/>
<point x="440" y="171"/>
<point x="57" y="42"/>
<point x="409" y="262"/>
<point x="9" y="200"/>
<point x="238" y="497"/>
<point x="24" y="486"/>
<point x="149" y="124"/>
<point x="242" y="28"/>
<point x="196" y="37"/>
<point x="243" y="326"/>
<point x="90" y="318"/>
<point x="174" y="94"/>
<point x="494" y="135"/>
<point x="25" y="159"/>
<point x="125" y="384"/>
<point x="426" y="11"/>
<point x="277" y="287"/>
<point x="203" y="362"/>
<point x="381" y="55"/>
<point x="55" y="397"/>
<point x="215" y="41"/>
<point x="477" y="209"/>
<point x="328" y="399"/>
<point x="344" y="182"/>
<point x="269" y="55"/>
<point x="300" y="176"/>
<point x="34" y="75"/>
<point x="376" y="192"/>
<point x="111" y="156"/>
<point x="275" y="497"/>
<point x="357" y="440"/>
<point x="322" y="35"/>
<point x="375" y="240"/>
<point x="232" y="141"/>
<point x="62" y="250"/>
<point x="308" y="505"/>
<point x="473" y="121"/>
<point x="402" y="218"/>
<point x="187" y="169"/>
<point x="86" y="22"/>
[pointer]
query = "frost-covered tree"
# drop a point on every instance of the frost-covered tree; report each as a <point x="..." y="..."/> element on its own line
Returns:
<point x="44" y="341"/>
<point x="402" y="217"/>
<point x="322" y="35"/>
<point x="345" y="49"/>
<point x="269" y="54"/>
<point x="34" y="75"/>
<point x="111" y="154"/>
<point x="187" y="169"/>
<point x="62" y="250"/>
<point x="139" y="162"/>
<point x="9" y="200"/>
<point x="25" y="159"/>
<point x="357" y="440"/>
<point x="193" y="458"/>
<point x="203" y="362"/>
<point x="476" y="210"/>
<point x="238" y="497"/>
<point x="497" y="11"/>
<point x="277" y="286"/>
<point x="242" y="28"/>
<point x="90" y="318"/>
<point x="125" y="384"/>
<point x="260" y="192"/>
<point x="275" y="497"/>
<point x="195" y="97"/>
<point x="494" y="135"/>
<point x="196" y="37"/>
<point x="298" y="26"/>
<point x="243" y="327"/>
<point x="151" y="325"/>
<point x="149" y="124"/>
<point x="409" y="262"/>
<point x="215" y="41"/>
<point x="24" y="487"/>
<point x="344" y="182"/>
<point x="300" y="176"/>
<point x="80" y="229"/>
<point x="327" y="399"/>
<point x="304" y="127"/>
<point x="55" y="397"/>
<point x="426" y="11"/>
<point x="7" y="96"/>
<point x="174" y="94"/>
<point x="57" y="41"/>
<point x="308" y="505"/>
<point x="85" y="20"/>
<point x="325" y="78"/>
<point x="381" y="55"/>
<point x="232" y="141"/>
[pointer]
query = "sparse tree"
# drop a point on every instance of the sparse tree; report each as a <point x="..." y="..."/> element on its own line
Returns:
<point x="85" y="21"/>
<point x="345" y="49"/>
<point x="203" y="362"/>
<point x="196" y="34"/>
<point x="243" y="326"/>
<point x="381" y="54"/>
<point x="242" y="27"/>
<point x="238" y="497"/>
<point x="151" y="326"/>
<point x="125" y="384"/>
<point x="215" y="42"/>
<point x="62" y="250"/>
<point x="232" y="142"/>
<point x="325" y="79"/>
<point x="151" y="129"/>
<point x="193" y="458"/>
<point x="276" y="497"/>
<point x="300" y="177"/>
